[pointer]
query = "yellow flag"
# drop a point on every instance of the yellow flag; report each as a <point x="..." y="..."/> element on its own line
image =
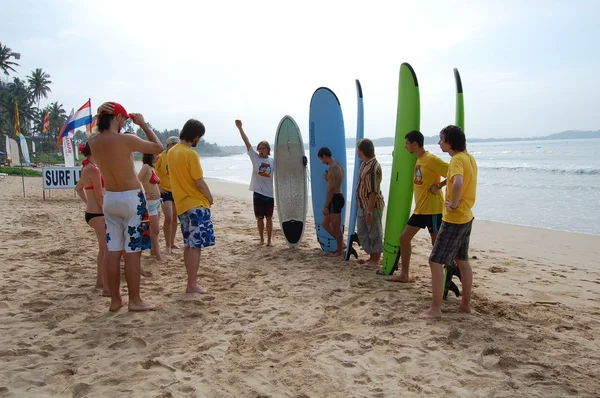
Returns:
<point x="17" y="123"/>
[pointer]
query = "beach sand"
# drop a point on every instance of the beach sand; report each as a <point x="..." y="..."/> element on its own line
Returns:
<point x="290" y="323"/>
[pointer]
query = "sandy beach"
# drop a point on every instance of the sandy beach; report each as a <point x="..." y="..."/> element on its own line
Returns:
<point x="290" y="323"/>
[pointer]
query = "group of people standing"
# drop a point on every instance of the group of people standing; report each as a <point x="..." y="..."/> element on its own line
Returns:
<point x="448" y="219"/>
<point x="123" y="208"/>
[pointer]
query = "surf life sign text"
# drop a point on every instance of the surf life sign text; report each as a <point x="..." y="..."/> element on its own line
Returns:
<point x="60" y="177"/>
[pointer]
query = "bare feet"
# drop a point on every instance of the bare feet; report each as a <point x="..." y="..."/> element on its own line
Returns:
<point x="115" y="305"/>
<point x="168" y="250"/>
<point x="196" y="289"/>
<point x="269" y="244"/>
<point x="432" y="313"/>
<point x="138" y="305"/>
<point x="370" y="265"/>
<point x="464" y="308"/>
<point x="400" y="278"/>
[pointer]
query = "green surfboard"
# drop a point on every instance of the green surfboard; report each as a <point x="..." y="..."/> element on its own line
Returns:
<point x="460" y="102"/>
<point x="400" y="197"/>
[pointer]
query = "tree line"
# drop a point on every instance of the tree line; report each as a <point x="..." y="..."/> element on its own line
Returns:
<point x="27" y="94"/>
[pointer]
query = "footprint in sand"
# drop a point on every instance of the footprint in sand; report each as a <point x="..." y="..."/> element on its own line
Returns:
<point x="80" y="390"/>
<point x="134" y="342"/>
<point x="37" y="306"/>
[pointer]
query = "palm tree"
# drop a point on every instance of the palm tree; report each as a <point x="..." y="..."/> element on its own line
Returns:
<point x="58" y="116"/>
<point x="5" y="64"/>
<point x="39" y="84"/>
<point x="16" y="92"/>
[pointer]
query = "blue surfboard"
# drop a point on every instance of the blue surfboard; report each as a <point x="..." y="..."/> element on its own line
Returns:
<point x="360" y="133"/>
<point x="326" y="129"/>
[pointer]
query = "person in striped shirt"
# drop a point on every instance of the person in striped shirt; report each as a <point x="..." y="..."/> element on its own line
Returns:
<point x="370" y="204"/>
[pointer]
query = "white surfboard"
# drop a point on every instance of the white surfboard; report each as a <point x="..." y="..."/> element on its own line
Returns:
<point x="291" y="189"/>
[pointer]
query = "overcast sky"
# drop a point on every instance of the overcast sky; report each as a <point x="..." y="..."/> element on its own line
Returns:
<point x="529" y="68"/>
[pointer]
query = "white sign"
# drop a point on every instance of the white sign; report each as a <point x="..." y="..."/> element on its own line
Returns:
<point x="60" y="177"/>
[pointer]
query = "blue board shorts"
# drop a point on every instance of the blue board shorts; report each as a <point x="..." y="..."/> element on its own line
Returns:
<point x="197" y="228"/>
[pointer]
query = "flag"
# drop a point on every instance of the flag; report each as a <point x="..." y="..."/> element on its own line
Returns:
<point x="17" y="122"/>
<point x="68" y="152"/>
<point x="91" y="128"/>
<point x="82" y="117"/>
<point x="24" y="150"/>
<point x="63" y="131"/>
<point x="46" y="126"/>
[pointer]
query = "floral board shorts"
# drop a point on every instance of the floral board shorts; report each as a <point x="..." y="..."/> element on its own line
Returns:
<point x="197" y="228"/>
<point x="127" y="221"/>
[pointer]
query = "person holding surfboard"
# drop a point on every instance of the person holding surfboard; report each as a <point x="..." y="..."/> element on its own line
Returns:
<point x="334" y="200"/>
<point x="261" y="184"/>
<point x="370" y="204"/>
<point x="429" y="201"/>
<point x="452" y="243"/>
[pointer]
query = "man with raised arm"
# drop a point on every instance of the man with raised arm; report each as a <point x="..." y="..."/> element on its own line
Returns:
<point x="261" y="184"/>
<point x="125" y="211"/>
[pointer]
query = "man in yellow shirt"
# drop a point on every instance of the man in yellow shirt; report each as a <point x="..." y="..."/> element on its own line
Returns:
<point x="192" y="200"/>
<point x="429" y="202"/>
<point x="168" y="204"/>
<point x="452" y="243"/>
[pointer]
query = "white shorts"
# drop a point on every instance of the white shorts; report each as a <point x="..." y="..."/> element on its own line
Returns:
<point x="154" y="207"/>
<point x="127" y="222"/>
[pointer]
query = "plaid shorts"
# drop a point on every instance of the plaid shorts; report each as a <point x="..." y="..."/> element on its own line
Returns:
<point x="197" y="228"/>
<point x="452" y="243"/>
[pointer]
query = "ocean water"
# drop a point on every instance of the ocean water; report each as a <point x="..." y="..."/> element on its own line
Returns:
<point x="547" y="184"/>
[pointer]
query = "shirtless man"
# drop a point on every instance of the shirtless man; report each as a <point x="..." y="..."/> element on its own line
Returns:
<point x="334" y="201"/>
<point x="125" y="211"/>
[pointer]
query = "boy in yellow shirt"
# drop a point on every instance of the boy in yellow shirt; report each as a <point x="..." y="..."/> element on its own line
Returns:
<point x="168" y="204"/>
<point x="429" y="201"/>
<point x="192" y="200"/>
<point x="452" y="243"/>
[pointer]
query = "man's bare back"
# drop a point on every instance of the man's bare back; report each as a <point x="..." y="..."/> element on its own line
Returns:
<point x="113" y="153"/>
<point x="126" y="229"/>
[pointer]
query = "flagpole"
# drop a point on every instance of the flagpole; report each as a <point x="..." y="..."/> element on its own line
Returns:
<point x="92" y="118"/>
<point x="23" y="177"/>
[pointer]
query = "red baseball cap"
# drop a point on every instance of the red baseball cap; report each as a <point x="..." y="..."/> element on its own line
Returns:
<point x="119" y="110"/>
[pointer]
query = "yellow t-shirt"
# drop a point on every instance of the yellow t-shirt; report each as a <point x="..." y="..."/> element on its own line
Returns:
<point x="163" y="171"/>
<point x="184" y="170"/>
<point x="462" y="164"/>
<point x="428" y="171"/>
